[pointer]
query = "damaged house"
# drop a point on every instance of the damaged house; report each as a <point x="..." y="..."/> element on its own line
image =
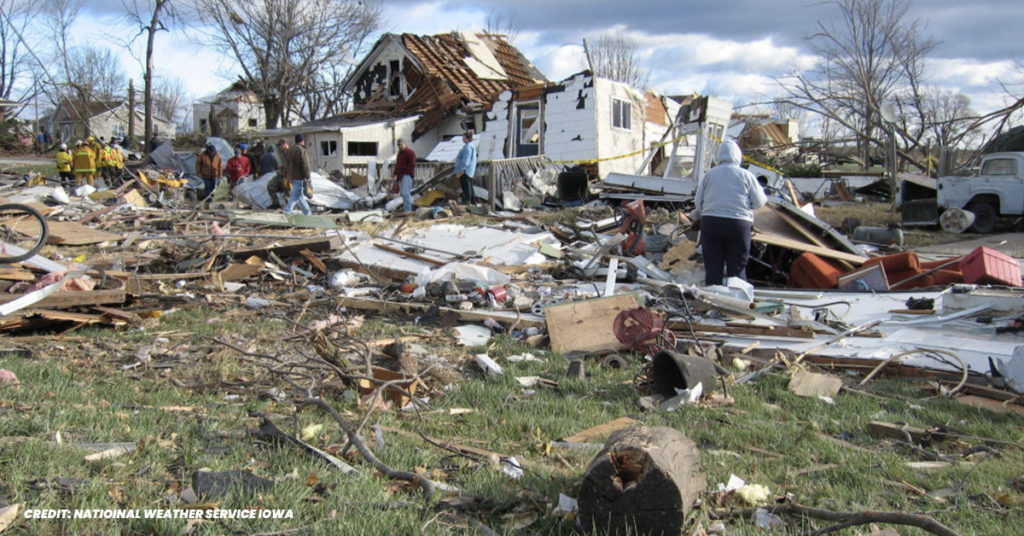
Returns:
<point x="235" y="110"/>
<point x="587" y="118"/>
<point x="770" y="137"/>
<point x="103" y="119"/>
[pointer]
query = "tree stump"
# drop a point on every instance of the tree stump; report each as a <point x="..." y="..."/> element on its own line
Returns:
<point x="644" y="481"/>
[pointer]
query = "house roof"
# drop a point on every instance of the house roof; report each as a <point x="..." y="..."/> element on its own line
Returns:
<point x="450" y="71"/>
<point x="93" y="109"/>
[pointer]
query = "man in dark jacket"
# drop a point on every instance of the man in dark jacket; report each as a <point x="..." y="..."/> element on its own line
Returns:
<point x="269" y="162"/>
<point x="209" y="168"/>
<point x="405" y="170"/>
<point x="296" y="169"/>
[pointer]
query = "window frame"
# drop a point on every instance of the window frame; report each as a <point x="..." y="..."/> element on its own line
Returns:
<point x="622" y="109"/>
<point x="325" y="148"/>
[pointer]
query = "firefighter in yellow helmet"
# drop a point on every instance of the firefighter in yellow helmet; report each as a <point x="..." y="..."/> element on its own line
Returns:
<point x="63" y="157"/>
<point x="85" y="164"/>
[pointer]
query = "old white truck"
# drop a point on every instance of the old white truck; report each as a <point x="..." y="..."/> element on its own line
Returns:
<point x="997" y="190"/>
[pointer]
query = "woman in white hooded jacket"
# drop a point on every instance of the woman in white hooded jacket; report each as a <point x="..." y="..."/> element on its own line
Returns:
<point x="726" y="200"/>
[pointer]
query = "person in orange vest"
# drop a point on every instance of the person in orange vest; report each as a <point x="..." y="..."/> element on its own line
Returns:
<point x="63" y="157"/>
<point x="85" y="164"/>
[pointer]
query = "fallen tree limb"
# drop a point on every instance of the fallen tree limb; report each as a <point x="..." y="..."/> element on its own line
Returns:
<point x="849" y="519"/>
<point x="424" y="483"/>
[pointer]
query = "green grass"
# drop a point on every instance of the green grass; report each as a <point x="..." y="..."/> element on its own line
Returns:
<point x="183" y="420"/>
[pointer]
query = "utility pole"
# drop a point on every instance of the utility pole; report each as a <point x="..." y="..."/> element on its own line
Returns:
<point x="35" y="91"/>
<point x="590" y="62"/>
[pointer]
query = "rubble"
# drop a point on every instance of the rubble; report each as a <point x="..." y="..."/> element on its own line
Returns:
<point x="587" y="283"/>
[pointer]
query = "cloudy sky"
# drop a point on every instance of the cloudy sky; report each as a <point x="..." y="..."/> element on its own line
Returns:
<point x="730" y="49"/>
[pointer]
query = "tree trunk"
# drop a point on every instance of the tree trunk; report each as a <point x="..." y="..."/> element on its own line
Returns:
<point x="644" y="481"/>
<point x="272" y="112"/>
<point x="148" y="74"/>
<point x="131" y="114"/>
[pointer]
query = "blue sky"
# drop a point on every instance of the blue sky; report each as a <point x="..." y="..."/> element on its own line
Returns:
<point x="730" y="49"/>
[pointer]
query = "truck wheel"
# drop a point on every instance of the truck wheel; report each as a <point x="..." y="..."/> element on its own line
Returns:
<point x="985" y="216"/>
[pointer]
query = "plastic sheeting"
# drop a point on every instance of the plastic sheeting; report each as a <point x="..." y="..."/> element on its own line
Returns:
<point x="325" y="193"/>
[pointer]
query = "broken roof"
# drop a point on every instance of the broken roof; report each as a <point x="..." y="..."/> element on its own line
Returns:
<point x="450" y="71"/>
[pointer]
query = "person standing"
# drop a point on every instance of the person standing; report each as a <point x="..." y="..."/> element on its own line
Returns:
<point x="254" y="160"/>
<point x="238" y="166"/>
<point x="405" y="170"/>
<point x="269" y="162"/>
<point x="296" y="169"/>
<point x="64" y="160"/>
<point x="726" y="200"/>
<point x="85" y="164"/>
<point x="465" y="168"/>
<point x="209" y="168"/>
<point x="276" y="186"/>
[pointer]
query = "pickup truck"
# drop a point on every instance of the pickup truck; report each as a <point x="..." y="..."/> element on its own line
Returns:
<point x="997" y="190"/>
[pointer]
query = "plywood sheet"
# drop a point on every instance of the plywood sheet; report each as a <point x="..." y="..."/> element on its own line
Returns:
<point x="586" y="326"/>
<point x="69" y="233"/>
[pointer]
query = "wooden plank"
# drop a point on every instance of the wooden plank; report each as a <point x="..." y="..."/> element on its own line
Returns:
<point x="787" y="243"/>
<point x="68" y="233"/>
<point x="586" y="326"/>
<point x="369" y="304"/>
<point x="899" y="432"/>
<point x="409" y="254"/>
<point x="990" y="404"/>
<point x="767" y="331"/>
<point x="15" y="274"/>
<point x="601" y="431"/>
<point x="66" y="316"/>
<point x="288" y="249"/>
<point x="61" y="300"/>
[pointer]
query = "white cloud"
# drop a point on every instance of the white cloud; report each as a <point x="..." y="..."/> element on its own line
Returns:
<point x="961" y="73"/>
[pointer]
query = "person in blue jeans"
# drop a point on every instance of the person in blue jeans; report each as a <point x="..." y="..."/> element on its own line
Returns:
<point x="405" y="170"/>
<point x="296" y="169"/>
<point x="465" y="168"/>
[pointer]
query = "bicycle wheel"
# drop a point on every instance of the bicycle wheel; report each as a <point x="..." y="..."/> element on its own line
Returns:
<point x="23" y="231"/>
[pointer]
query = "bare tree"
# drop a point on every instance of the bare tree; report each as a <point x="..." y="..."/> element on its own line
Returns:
<point x="96" y="73"/>
<point x="873" y="53"/>
<point x="151" y="16"/>
<point x="280" y="45"/>
<point x="503" y="23"/>
<point x="170" y="99"/>
<point x="616" y="57"/>
<point x="15" y="18"/>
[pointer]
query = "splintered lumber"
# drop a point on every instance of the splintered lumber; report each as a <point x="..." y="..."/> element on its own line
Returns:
<point x="586" y="326"/>
<point x="508" y="318"/>
<point x="787" y="243"/>
<point x="288" y="249"/>
<point x="601" y="431"/>
<point x="644" y="481"/>
<point x="766" y="331"/>
<point x="63" y="300"/>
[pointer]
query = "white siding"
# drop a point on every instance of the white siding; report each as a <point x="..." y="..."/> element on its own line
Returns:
<point x="612" y="141"/>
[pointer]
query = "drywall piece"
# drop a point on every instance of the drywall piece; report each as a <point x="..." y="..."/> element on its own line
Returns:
<point x="473" y="335"/>
<point x="586" y="326"/>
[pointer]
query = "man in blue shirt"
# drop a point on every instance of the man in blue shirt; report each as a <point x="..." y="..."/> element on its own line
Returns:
<point x="465" y="168"/>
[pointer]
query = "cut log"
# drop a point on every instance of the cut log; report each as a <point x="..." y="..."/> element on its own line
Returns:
<point x="644" y="481"/>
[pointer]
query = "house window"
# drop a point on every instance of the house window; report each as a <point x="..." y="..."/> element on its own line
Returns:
<point x="394" y="78"/>
<point x="362" y="148"/>
<point x="622" y="114"/>
<point x="328" y="147"/>
<point x="119" y="130"/>
<point x="202" y="125"/>
<point x="529" y="126"/>
<point x="253" y="123"/>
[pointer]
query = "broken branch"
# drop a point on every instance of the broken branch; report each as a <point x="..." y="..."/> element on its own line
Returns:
<point x="849" y="519"/>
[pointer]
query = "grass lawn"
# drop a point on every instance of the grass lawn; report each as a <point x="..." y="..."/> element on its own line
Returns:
<point x="189" y="403"/>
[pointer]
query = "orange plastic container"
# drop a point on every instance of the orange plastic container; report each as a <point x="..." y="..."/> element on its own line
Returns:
<point x="988" y="266"/>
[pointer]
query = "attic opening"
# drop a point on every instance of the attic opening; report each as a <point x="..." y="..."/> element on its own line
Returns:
<point x="395" y="78"/>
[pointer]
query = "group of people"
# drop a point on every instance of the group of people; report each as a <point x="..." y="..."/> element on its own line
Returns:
<point x="90" y="158"/>
<point x="293" y="175"/>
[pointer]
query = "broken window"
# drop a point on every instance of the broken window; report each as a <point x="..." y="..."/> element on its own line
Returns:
<point x="253" y="122"/>
<point x="328" y="147"/>
<point x="394" y="78"/>
<point x="528" y="126"/>
<point x="362" y="148"/>
<point x="202" y="125"/>
<point x="1000" y="166"/>
<point x="622" y="113"/>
